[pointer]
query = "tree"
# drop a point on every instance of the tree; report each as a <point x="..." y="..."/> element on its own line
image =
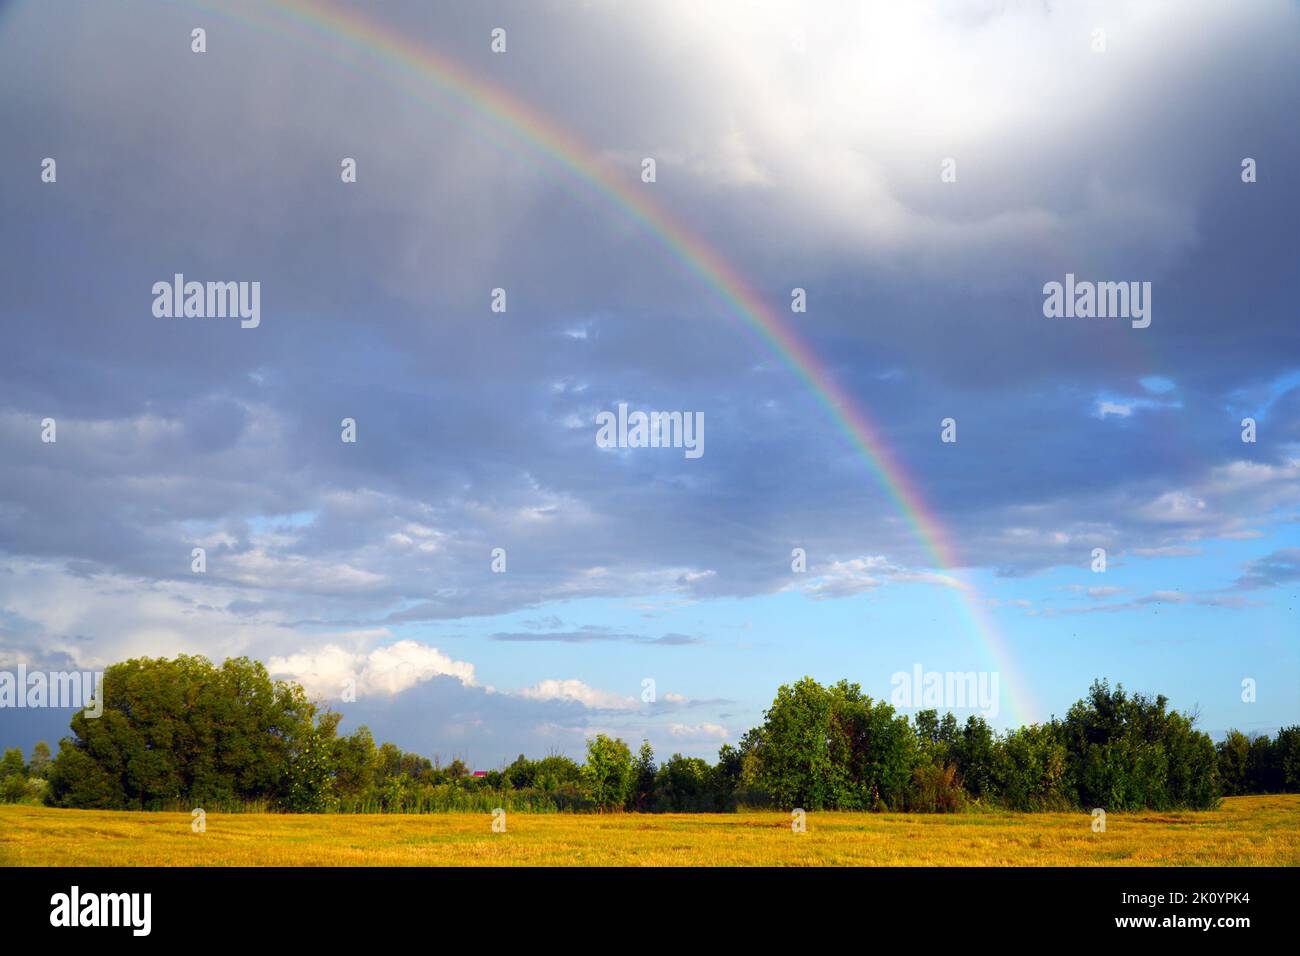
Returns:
<point x="1030" y="769"/>
<point x="183" y="731"/>
<point x="685" y="784"/>
<point x="607" y="773"/>
<point x="356" y="765"/>
<point x="310" y="785"/>
<point x="456" y="770"/>
<point x="13" y="776"/>
<point x="643" y="778"/>
<point x="1130" y="752"/>
<point x="938" y="738"/>
<point x="186" y="732"/>
<point x="794" y="750"/>
<point x="520" y="773"/>
<point x="557" y="772"/>
<point x="40" y="765"/>
<point x="78" y="779"/>
<point x="1263" y="771"/>
<point x="12" y="764"/>
<point x="1287" y="749"/>
<point x="974" y="758"/>
<point x="728" y="775"/>
<point x="1234" y="758"/>
<point x="876" y="751"/>
<point x="834" y="747"/>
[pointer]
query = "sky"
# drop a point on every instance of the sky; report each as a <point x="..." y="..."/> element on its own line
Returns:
<point x="920" y="170"/>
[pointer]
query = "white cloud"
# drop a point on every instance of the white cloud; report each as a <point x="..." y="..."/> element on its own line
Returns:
<point x="1175" y="506"/>
<point x="699" y="731"/>
<point x="102" y="618"/>
<point x="295" y="572"/>
<point x="1113" y="408"/>
<point x="388" y="669"/>
<point x="856" y="575"/>
<point x="1103" y="592"/>
<point x="578" y="692"/>
<point x="840" y="143"/>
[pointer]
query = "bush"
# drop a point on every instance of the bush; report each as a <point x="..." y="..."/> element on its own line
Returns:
<point x="1030" y="770"/>
<point x="936" y="789"/>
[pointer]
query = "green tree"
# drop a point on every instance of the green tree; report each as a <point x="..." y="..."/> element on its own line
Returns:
<point x="1263" y="770"/>
<point x="643" y="778"/>
<point x="556" y="772"/>
<point x="834" y="747"/>
<point x="685" y="784"/>
<point x="794" y="748"/>
<point x="521" y="773"/>
<point x="183" y="731"/>
<point x="1287" y="750"/>
<point x="356" y="766"/>
<point x="13" y="776"/>
<point x="1234" y="760"/>
<point x="1128" y="752"/>
<point x="80" y="779"/>
<point x="312" y="768"/>
<point x="974" y="758"/>
<point x="607" y="773"/>
<point x="729" y="776"/>
<point x="1030" y="769"/>
<point x="40" y="765"/>
<point x="937" y="737"/>
<point x="12" y="764"/>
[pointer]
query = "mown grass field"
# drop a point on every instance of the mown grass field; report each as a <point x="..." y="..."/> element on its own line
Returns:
<point x="1245" y="831"/>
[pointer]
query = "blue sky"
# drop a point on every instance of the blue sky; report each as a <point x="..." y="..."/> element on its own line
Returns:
<point x="804" y="144"/>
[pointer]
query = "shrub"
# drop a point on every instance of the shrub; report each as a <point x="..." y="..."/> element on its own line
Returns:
<point x="936" y="789"/>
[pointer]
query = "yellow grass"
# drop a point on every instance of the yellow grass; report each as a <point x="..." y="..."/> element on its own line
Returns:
<point x="1245" y="831"/>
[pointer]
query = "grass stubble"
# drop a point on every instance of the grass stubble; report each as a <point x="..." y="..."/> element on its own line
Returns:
<point x="1245" y="831"/>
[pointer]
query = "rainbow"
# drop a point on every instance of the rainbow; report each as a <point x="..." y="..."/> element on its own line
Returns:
<point x="324" y="24"/>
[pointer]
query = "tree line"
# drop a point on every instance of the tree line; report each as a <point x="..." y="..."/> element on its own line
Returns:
<point x="183" y="733"/>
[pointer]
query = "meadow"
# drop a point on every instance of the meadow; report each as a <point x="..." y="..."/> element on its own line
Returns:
<point x="1245" y="831"/>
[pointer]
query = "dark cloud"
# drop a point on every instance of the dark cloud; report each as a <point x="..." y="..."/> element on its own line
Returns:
<point x="1273" y="570"/>
<point x="675" y="640"/>
<point x="476" y="431"/>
